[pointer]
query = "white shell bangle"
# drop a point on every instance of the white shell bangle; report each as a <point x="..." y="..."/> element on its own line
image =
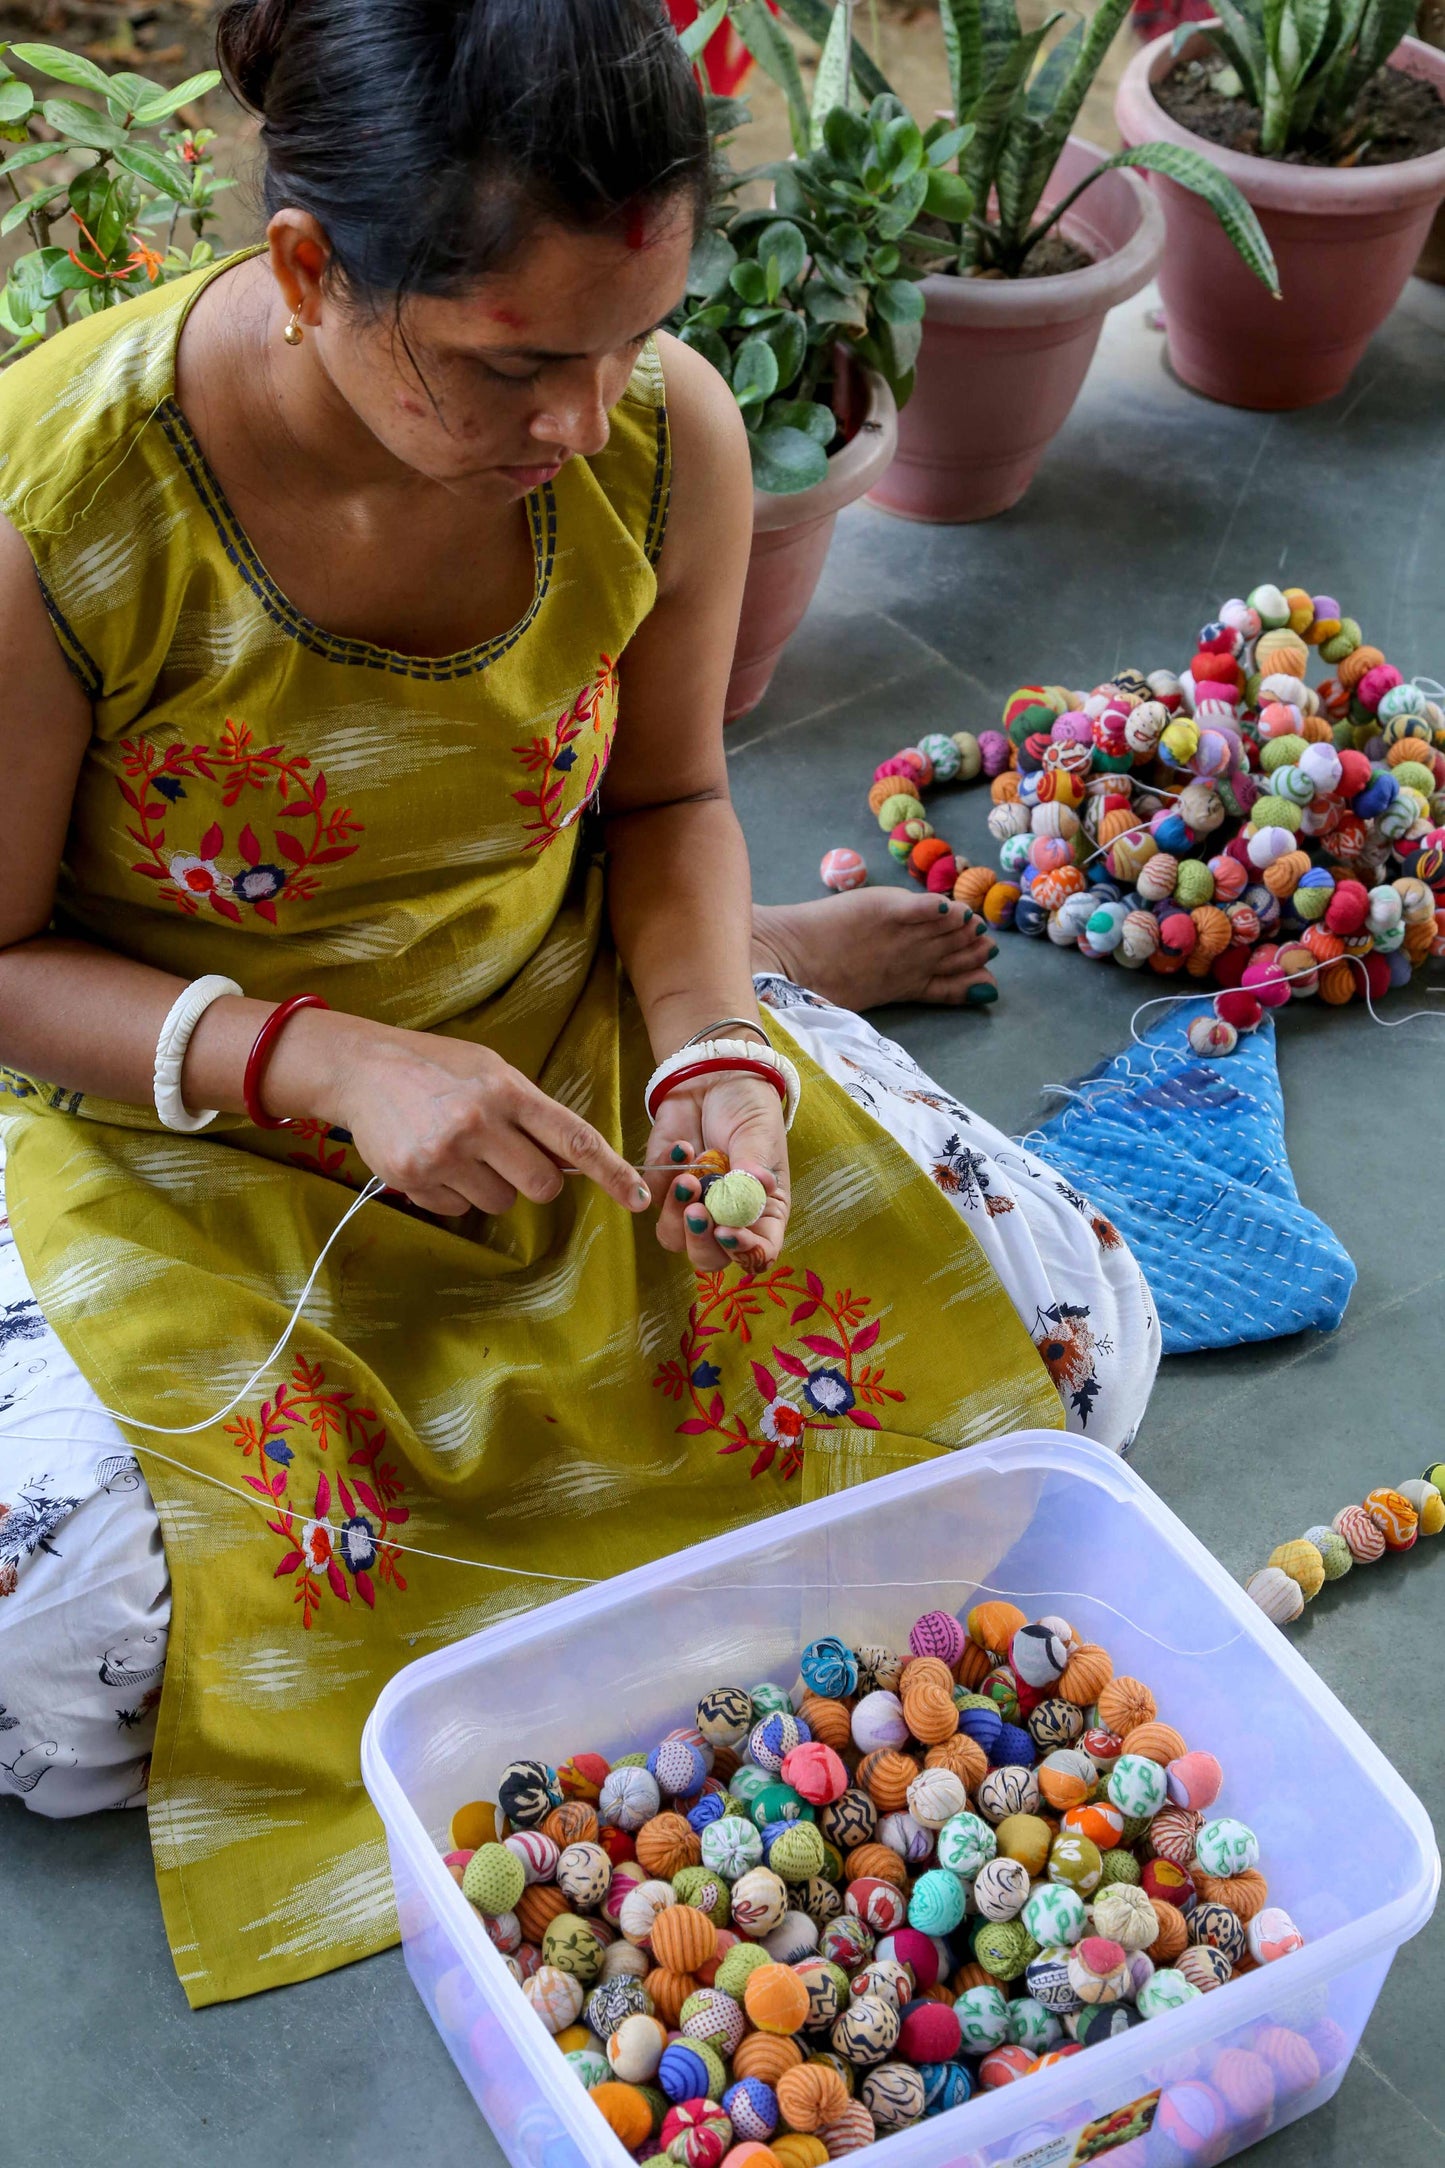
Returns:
<point x="175" y="1037"/>
<point x="748" y="1051"/>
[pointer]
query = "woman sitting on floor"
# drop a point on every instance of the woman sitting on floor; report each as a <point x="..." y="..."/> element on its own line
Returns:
<point x="342" y="585"/>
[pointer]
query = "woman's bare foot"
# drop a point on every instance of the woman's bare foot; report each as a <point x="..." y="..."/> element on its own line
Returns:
<point x="876" y="945"/>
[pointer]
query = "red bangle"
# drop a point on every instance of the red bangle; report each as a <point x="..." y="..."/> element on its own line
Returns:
<point x="260" y="1055"/>
<point x="718" y="1062"/>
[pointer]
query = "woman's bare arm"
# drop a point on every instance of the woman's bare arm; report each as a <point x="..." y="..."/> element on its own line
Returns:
<point x="450" y="1124"/>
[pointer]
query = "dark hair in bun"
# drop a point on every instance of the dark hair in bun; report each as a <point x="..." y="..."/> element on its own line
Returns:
<point x="427" y="137"/>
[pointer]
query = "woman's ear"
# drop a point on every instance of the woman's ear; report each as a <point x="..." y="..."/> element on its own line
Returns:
<point x="299" y="253"/>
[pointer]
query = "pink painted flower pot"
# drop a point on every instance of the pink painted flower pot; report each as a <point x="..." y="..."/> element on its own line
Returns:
<point x="790" y="541"/>
<point x="1003" y="359"/>
<point x="1345" y="243"/>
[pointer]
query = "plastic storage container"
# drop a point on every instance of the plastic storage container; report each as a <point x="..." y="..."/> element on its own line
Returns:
<point x="1057" y="1525"/>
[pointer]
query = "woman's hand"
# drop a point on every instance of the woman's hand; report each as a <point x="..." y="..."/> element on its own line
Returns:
<point x="453" y="1125"/>
<point x="742" y="1116"/>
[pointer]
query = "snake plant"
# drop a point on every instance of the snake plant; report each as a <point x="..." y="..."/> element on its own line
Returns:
<point x="1304" y="63"/>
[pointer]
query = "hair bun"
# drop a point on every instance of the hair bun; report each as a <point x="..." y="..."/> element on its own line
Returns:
<point x="249" y="37"/>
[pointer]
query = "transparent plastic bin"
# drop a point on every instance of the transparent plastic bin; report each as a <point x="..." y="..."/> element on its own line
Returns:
<point x="1058" y="1525"/>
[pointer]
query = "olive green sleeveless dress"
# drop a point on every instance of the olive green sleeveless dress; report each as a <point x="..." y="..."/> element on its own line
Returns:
<point x="547" y="1392"/>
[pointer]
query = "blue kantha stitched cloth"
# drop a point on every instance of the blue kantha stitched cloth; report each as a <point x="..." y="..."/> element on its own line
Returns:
<point x="1187" y="1157"/>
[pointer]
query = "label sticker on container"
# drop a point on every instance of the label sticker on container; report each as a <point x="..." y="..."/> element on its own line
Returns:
<point x="1075" y="2148"/>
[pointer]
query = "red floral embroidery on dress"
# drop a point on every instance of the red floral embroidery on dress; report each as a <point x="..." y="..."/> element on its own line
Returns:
<point x="550" y="761"/>
<point x="320" y="1556"/>
<point x="833" y="1389"/>
<point x="323" y="834"/>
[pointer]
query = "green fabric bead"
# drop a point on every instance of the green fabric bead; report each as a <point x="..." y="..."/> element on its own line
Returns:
<point x="778" y="1803"/>
<point x="963" y="1699"/>
<point x="737" y="1967"/>
<point x="1333" y="1549"/>
<point x="770" y="1700"/>
<point x="657" y="2101"/>
<point x="735" y="1199"/>
<point x="630" y="1761"/>
<point x="1004" y="1947"/>
<point x="1194" y="884"/>
<point x="705" y="1891"/>
<point x="937" y="1903"/>
<point x="798" y="1852"/>
<point x="1272" y="812"/>
<point x="1135" y="1826"/>
<point x="717" y="2071"/>
<point x="1343" y="643"/>
<point x="1281" y="752"/>
<point x="1119" y="1866"/>
<point x="494" y="1880"/>
<point x="1435" y="1474"/>
<point x="832" y="1861"/>
<point x="744" y="1785"/>
<point x="571" y="1946"/>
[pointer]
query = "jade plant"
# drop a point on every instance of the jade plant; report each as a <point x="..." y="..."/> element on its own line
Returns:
<point x="110" y="230"/>
<point x="833" y="261"/>
<point x="1020" y="95"/>
<point x="1304" y="63"/>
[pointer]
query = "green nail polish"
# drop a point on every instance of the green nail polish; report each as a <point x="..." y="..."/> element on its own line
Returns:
<point x="943" y="906"/>
<point x="729" y="1242"/>
<point x="992" y="952"/>
<point x="696" y="1226"/>
<point x="979" y="996"/>
<point x="643" y="1193"/>
<point x="682" y="1191"/>
<point x="679" y="1151"/>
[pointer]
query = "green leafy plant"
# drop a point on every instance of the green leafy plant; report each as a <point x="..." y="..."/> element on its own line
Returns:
<point x="1021" y="95"/>
<point x="834" y="260"/>
<point x="95" y="236"/>
<point x="1304" y="63"/>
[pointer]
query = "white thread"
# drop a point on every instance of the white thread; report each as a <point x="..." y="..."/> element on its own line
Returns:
<point x="1164" y="1001"/>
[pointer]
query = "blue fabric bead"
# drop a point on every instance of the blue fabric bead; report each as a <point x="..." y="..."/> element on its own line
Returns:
<point x="981" y="1725"/>
<point x="1029" y="918"/>
<point x="753" y="2109"/>
<point x="710" y="1808"/>
<point x="682" y="2074"/>
<point x="945" y="2085"/>
<point x="829" y="1668"/>
<point x="1013" y="1748"/>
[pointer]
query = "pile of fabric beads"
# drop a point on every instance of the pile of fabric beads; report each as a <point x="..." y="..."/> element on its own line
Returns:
<point x="808" y="1919"/>
<point x="1388" y="1520"/>
<point x="1233" y="822"/>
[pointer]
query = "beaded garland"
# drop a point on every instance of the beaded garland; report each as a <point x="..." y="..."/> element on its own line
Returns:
<point x="1388" y="1520"/>
<point x="825" y="2000"/>
<point x="1233" y="823"/>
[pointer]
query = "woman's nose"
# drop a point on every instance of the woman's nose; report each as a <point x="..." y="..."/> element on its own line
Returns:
<point x="574" y="418"/>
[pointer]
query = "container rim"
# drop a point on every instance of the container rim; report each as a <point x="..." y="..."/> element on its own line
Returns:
<point x="990" y="2116"/>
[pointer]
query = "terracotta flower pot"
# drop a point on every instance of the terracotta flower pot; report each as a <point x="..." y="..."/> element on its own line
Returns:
<point x="1003" y="359"/>
<point x="1345" y="243"/>
<point x="791" y="536"/>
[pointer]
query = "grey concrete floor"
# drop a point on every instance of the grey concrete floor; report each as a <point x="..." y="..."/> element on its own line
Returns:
<point x="1152" y="507"/>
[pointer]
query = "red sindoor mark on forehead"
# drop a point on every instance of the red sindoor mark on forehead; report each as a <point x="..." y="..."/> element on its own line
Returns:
<point x="635" y="225"/>
<point x="509" y="317"/>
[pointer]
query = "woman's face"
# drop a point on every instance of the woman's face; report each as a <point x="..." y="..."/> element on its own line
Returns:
<point x="499" y="388"/>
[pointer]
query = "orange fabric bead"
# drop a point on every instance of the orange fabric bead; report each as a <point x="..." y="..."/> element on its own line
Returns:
<point x="1156" y="1742"/>
<point x="1280" y="654"/>
<point x="766" y="2055"/>
<point x="1004" y="789"/>
<point x="811" y="2095"/>
<point x="1123" y="1705"/>
<point x="574" y="1822"/>
<point x="888" y="1777"/>
<point x="850" y="2132"/>
<point x="474" y="1825"/>
<point x="927" y="853"/>
<point x="892" y="786"/>
<point x="683" y="1938"/>
<point x="1323" y="945"/>
<point x="1356" y="664"/>
<point x="776" y="1999"/>
<point x="828" y="1721"/>
<point x="878" y="1863"/>
<point x="1086" y="1674"/>
<point x="1283" y="875"/>
<point x="1337" y="983"/>
<point x="977" y="1976"/>
<point x="1315" y="730"/>
<point x="973" y="884"/>
<point x="1411" y="749"/>
<point x="670" y="1989"/>
<point x="539" y="1904"/>
<point x="666" y="1845"/>
<point x="1212" y="936"/>
<point x="930" y="1712"/>
<point x="924" y="1671"/>
<point x="626" y="2110"/>
<point x="975" y="1664"/>
<point x="797" y="2149"/>
<point x="1245" y="1894"/>
<point x="1420" y="940"/>
<point x="1172" y="1939"/>
<point x="938" y="1993"/>
<point x="992" y="1626"/>
<point x="964" y="1756"/>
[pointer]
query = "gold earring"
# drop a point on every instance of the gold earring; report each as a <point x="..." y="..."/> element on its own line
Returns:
<point x="293" y="334"/>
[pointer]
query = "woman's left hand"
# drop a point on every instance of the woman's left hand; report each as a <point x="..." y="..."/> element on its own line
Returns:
<point x="742" y="1116"/>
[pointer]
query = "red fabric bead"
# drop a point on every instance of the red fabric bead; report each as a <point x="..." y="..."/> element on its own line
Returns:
<point x="929" y="2033"/>
<point x="1348" y="908"/>
<point x="1377" y="972"/>
<point x="941" y="875"/>
<point x="1354" y="773"/>
<point x="1238" y="1008"/>
<point x="1229" y="965"/>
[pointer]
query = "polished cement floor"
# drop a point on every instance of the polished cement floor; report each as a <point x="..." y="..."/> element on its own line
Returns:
<point x="1152" y="508"/>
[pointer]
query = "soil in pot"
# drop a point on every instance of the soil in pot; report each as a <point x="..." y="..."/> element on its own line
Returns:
<point x="1397" y="117"/>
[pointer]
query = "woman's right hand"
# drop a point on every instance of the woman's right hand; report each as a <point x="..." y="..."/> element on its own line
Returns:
<point x="452" y="1125"/>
